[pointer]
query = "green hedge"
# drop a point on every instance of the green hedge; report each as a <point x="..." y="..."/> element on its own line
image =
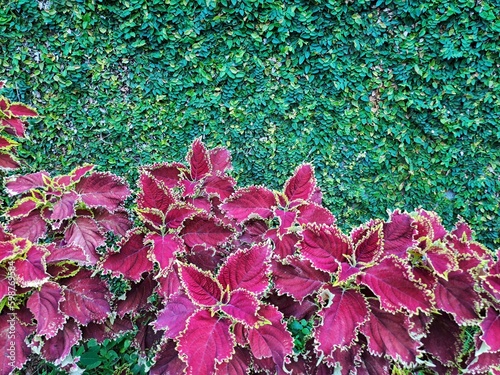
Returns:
<point x="396" y="103"/>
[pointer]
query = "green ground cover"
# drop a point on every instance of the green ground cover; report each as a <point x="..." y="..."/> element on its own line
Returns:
<point x="396" y="103"/>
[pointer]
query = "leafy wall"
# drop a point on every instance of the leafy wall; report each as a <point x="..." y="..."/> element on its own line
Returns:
<point x="394" y="102"/>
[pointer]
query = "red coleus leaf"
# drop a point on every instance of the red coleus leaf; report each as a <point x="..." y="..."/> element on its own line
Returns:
<point x="86" y="298"/>
<point x="249" y="203"/>
<point x="8" y="250"/>
<point x="313" y="213"/>
<point x="206" y="342"/>
<point x="325" y="247"/>
<point x="32" y="227"/>
<point x="443" y="340"/>
<point x="22" y="110"/>
<point x="8" y="161"/>
<point x="220" y="159"/>
<point x="132" y="260"/>
<point x="271" y="340"/>
<point x="164" y="248"/>
<point x="146" y="338"/>
<point x="458" y="297"/>
<point x="246" y="269"/>
<point x="398" y="234"/>
<point x="153" y="194"/>
<point x="174" y="316"/>
<point x="21" y="184"/>
<point x="169" y="284"/>
<point x="202" y="230"/>
<point x="4" y="283"/>
<point x="491" y="329"/>
<point x="200" y="286"/>
<point x="221" y="186"/>
<point x="74" y="176"/>
<point x="137" y="298"/>
<point x="345" y="312"/>
<point x="176" y="215"/>
<point x="169" y="174"/>
<point x="286" y="218"/>
<point x="14" y="126"/>
<point x="6" y="144"/>
<point x="44" y="304"/>
<point x="84" y="232"/>
<point x="441" y="259"/>
<point x="107" y="329"/>
<point x="368" y="242"/>
<point x="284" y="246"/>
<point x="58" y="347"/>
<point x="64" y="208"/>
<point x="432" y="224"/>
<point x="388" y="334"/>
<point x="102" y="190"/>
<point x="31" y="271"/>
<point x="242" y="307"/>
<point x="117" y="222"/>
<point x="22" y="207"/>
<point x="13" y="334"/>
<point x="390" y="281"/>
<point x="72" y="253"/>
<point x="298" y="278"/>
<point x="237" y="365"/>
<point x="302" y="184"/>
<point x="167" y="360"/>
<point x="199" y="160"/>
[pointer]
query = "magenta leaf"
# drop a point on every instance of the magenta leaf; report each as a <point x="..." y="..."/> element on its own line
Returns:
<point x="220" y="158"/>
<point x="13" y="346"/>
<point x="117" y="222"/>
<point x="368" y="243"/>
<point x="7" y="250"/>
<point x="206" y="231"/>
<point x="86" y="298"/>
<point x="314" y="213"/>
<point x="44" y="304"/>
<point x="169" y="284"/>
<point x="443" y="339"/>
<point x="64" y="208"/>
<point x="388" y="334"/>
<point x="167" y="361"/>
<point x="164" y="248"/>
<point x="102" y="190"/>
<point x="174" y="316"/>
<point x="242" y="307"/>
<point x="221" y="186"/>
<point x="58" y="347"/>
<point x="398" y="234"/>
<point x="132" y="259"/>
<point x="21" y="184"/>
<point x="246" y="269"/>
<point x="84" y="232"/>
<point x="153" y="194"/>
<point x="286" y="218"/>
<point x="31" y="271"/>
<point x="22" y="207"/>
<point x="491" y="329"/>
<point x="107" y="329"/>
<point x="341" y="319"/>
<point x="137" y="298"/>
<point x="248" y="203"/>
<point x="199" y="160"/>
<point x="237" y="365"/>
<point x="176" y="215"/>
<point x="298" y="278"/>
<point x="8" y="161"/>
<point x="325" y="247"/>
<point x="72" y="253"/>
<point x="22" y="110"/>
<point x="390" y="281"/>
<point x="200" y="286"/>
<point x="169" y="174"/>
<point x="441" y="259"/>
<point x="284" y="246"/>
<point x="206" y="342"/>
<point x="302" y="184"/>
<point x="32" y="227"/>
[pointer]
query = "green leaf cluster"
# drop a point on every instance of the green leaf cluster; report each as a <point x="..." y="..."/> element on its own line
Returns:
<point x="394" y="102"/>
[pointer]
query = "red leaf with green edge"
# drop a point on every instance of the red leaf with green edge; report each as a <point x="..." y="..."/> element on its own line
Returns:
<point x="491" y="329"/>
<point x="492" y="280"/>
<point x="325" y="247"/>
<point x="58" y="347"/>
<point x="136" y="299"/>
<point x="177" y="214"/>
<point x="21" y="184"/>
<point x="151" y="216"/>
<point x="341" y="318"/>
<point x="31" y="227"/>
<point x="346" y="272"/>
<point x="22" y="110"/>
<point x="248" y="203"/>
<point x="388" y="334"/>
<point x="14" y="126"/>
<point x="200" y="286"/>
<point x="199" y="160"/>
<point x="284" y="246"/>
<point x="6" y="144"/>
<point x="174" y="316"/>
<point x="205" y="231"/>
<point x="368" y="242"/>
<point x="206" y="342"/>
<point x="131" y="260"/>
<point x="107" y="329"/>
<point x="309" y="213"/>
<point x="102" y="190"/>
<point x="458" y="297"/>
<point x="190" y="188"/>
<point x="65" y="207"/>
<point x="373" y="365"/>
<point x="441" y="259"/>
<point x="167" y="360"/>
<point x="74" y="176"/>
<point x="71" y="253"/>
<point x="84" y="232"/>
<point x="271" y="340"/>
<point x="13" y="335"/>
<point x="302" y="184"/>
<point x="169" y="174"/>
<point x="117" y="222"/>
<point x="462" y="231"/>
<point x="8" y="250"/>
<point x="31" y="271"/>
<point x="443" y="339"/>
<point x="298" y="278"/>
<point x="246" y="269"/>
<point x="146" y="338"/>
<point x="242" y="307"/>
<point x="221" y="186"/>
<point x="253" y="231"/>
<point x="169" y="284"/>
<point x="398" y="234"/>
<point x="8" y="161"/>
<point x="206" y="259"/>
<point x="435" y="230"/>
<point x="237" y="365"/>
<point x="44" y="304"/>
<point x="4" y="283"/>
<point x="86" y="298"/>
<point x="344" y="362"/>
<point x="286" y="218"/>
<point x="390" y="281"/>
<point x="164" y="248"/>
<point x="291" y="307"/>
<point x="153" y="194"/>
<point x="220" y="159"/>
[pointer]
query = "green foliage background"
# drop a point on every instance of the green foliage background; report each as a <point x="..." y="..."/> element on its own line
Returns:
<point x="396" y="103"/>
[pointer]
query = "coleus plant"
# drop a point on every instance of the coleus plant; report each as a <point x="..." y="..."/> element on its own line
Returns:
<point x="12" y="124"/>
